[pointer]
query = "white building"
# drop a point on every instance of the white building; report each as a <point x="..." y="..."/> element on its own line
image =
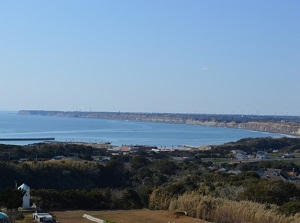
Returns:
<point x="262" y="155"/>
<point x="26" y="197"/>
<point x="241" y="156"/>
<point x="42" y="217"/>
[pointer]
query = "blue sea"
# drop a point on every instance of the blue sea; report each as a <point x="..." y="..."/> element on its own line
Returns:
<point x="117" y="132"/>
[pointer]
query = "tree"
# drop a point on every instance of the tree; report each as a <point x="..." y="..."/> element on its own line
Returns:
<point x="272" y="192"/>
<point x="138" y="162"/>
<point x="290" y="208"/>
<point x="131" y="199"/>
<point x="12" y="200"/>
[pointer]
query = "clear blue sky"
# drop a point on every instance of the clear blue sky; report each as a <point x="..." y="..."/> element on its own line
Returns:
<point x="151" y="56"/>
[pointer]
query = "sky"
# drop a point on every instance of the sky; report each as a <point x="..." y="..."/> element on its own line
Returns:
<point x="188" y="56"/>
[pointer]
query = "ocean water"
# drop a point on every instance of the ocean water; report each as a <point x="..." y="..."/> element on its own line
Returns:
<point x="117" y="132"/>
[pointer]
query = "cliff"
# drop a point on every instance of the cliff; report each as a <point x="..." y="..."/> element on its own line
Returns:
<point x="284" y="125"/>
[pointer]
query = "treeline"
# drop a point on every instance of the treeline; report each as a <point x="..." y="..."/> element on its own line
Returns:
<point x="64" y="175"/>
<point x="68" y="174"/>
<point x="45" y="151"/>
<point x="178" y="181"/>
<point x="268" y="144"/>
<point x="91" y="199"/>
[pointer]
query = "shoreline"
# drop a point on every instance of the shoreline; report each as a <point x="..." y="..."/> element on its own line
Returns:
<point x="279" y="125"/>
<point x="120" y="132"/>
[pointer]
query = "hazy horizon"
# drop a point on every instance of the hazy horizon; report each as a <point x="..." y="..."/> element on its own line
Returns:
<point x="238" y="114"/>
<point x="203" y="57"/>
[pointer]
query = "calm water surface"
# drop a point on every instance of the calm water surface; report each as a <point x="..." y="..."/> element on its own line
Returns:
<point x="117" y="132"/>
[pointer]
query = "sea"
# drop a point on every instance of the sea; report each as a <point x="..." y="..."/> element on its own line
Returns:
<point x="117" y="132"/>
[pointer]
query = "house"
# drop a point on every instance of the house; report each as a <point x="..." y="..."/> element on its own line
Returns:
<point x="278" y="174"/>
<point x="42" y="217"/>
<point x="223" y="170"/>
<point x="58" y="158"/>
<point x="261" y="155"/>
<point x="288" y="156"/>
<point x="293" y="176"/>
<point x="275" y="174"/>
<point x="211" y="168"/>
<point x="105" y="159"/>
<point x="241" y="155"/>
<point x="122" y="149"/>
<point x="26" y="197"/>
<point x="235" y="172"/>
<point x="272" y="174"/>
<point x="21" y="160"/>
<point x="235" y="151"/>
<point x="183" y="158"/>
<point x="260" y="172"/>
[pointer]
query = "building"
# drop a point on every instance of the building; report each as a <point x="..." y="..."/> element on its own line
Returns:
<point x="288" y="156"/>
<point x="261" y="155"/>
<point x="183" y="158"/>
<point x="43" y="217"/>
<point x="58" y="158"/>
<point x="278" y="174"/>
<point x="26" y="197"/>
<point x="241" y="156"/>
<point x="273" y="174"/>
<point x="235" y="172"/>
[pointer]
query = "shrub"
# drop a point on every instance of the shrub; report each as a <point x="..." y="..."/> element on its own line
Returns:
<point x="290" y="208"/>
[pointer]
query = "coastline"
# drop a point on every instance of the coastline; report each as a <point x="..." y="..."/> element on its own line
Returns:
<point x="268" y="124"/>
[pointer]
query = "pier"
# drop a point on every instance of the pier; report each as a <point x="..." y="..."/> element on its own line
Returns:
<point x="27" y="139"/>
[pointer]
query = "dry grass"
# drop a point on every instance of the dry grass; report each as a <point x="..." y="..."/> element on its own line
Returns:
<point x="119" y="216"/>
<point x="220" y="210"/>
<point x="124" y="216"/>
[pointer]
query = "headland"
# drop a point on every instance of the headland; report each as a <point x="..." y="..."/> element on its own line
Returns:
<point x="289" y="125"/>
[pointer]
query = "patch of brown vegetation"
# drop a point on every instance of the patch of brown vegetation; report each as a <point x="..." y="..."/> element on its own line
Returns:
<point x="122" y="216"/>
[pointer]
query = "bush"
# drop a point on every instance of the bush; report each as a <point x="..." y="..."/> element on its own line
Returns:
<point x="290" y="208"/>
<point x="271" y="192"/>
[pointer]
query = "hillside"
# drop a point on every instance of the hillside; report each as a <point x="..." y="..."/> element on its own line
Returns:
<point x="207" y="189"/>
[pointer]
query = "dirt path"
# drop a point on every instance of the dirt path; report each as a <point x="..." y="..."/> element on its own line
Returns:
<point x="121" y="216"/>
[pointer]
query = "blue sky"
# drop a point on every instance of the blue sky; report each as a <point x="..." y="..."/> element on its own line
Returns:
<point x="151" y="56"/>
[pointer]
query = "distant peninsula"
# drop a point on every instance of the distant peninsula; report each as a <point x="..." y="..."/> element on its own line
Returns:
<point x="289" y="125"/>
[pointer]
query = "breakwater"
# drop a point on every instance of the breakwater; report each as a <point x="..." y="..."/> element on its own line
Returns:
<point x="27" y="139"/>
<point x="289" y="125"/>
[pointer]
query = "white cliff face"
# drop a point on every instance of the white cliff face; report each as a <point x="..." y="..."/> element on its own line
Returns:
<point x="283" y="128"/>
<point x="271" y="125"/>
